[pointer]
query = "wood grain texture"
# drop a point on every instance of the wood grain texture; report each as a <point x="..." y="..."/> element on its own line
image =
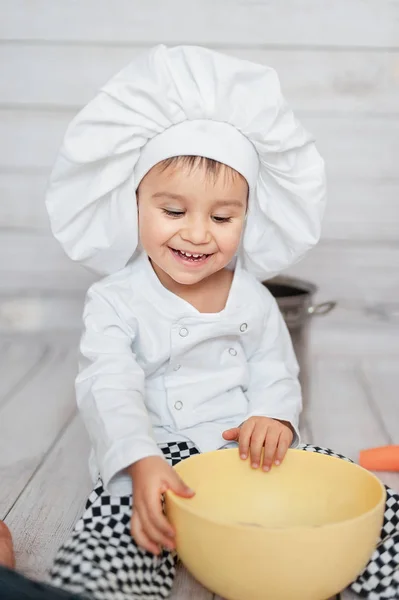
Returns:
<point x="22" y="201"/>
<point x="339" y="69"/>
<point x="341" y="415"/>
<point x="34" y="261"/>
<point x="185" y="587"/>
<point x="354" y="148"/>
<point x="381" y="380"/>
<point x="346" y="595"/>
<point x="345" y="414"/>
<point x="350" y="332"/>
<point x="362" y="278"/>
<point x="312" y="80"/>
<point x="40" y="313"/>
<point x="51" y="503"/>
<point x="357" y="210"/>
<point x="31" y="139"/>
<point x="32" y="421"/>
<point x="18" y="364"/>
<point x="337" y="401"/>
<point x="26" y="284"/>
<point x="374" y="23"/>
<point x="362" y="209"/>
<point x="362" y="272"/>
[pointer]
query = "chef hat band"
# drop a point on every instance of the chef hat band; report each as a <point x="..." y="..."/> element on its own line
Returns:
<point x="211" y="139"/>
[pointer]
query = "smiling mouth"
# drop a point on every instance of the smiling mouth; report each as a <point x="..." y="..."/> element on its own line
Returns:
<point x="189" y="256"/>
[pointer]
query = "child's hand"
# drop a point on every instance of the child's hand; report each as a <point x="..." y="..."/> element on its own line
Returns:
<point x="151" y="477"/>
<point x="261" y="432"/>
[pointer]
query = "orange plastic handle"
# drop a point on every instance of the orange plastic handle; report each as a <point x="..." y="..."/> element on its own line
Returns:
<point x="384" y="458"/>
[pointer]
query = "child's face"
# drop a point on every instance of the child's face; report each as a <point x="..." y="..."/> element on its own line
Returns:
<point x="183" y="210"/>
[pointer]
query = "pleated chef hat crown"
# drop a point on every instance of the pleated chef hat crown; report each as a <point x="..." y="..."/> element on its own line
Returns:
<point x="177" y="101"/>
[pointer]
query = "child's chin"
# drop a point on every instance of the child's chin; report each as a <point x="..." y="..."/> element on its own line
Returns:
<point x="187" y="278"/>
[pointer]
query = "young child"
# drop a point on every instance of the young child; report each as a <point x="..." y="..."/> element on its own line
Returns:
<point x="187" y="181"/>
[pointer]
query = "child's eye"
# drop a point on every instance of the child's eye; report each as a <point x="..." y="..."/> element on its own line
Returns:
<point x="222" y="219"/>
<point x="173" y="213"/>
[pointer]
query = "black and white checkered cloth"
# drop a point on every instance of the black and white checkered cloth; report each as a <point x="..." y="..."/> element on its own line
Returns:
<point x="101" y="561"/>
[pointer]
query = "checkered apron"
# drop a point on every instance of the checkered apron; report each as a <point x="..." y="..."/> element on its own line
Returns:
<point x="101" y="561"/>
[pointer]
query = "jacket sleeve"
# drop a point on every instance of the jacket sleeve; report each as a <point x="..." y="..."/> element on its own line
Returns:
<point x="110" y="392"/>
<point x="274" y="390"/>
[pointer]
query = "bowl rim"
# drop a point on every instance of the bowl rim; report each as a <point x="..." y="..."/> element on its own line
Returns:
<point x="184" y="503"/>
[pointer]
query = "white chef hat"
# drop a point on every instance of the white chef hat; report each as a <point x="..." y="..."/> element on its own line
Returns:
<point x="178" y="101"/>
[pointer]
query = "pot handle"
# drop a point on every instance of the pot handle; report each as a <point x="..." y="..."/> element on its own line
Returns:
<point x="321" y="309"/>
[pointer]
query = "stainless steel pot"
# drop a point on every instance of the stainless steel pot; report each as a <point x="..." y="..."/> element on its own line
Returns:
<point x="295" y="300"/>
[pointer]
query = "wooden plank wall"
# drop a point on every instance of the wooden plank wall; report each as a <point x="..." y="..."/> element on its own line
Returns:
<point x="339" y="67"/>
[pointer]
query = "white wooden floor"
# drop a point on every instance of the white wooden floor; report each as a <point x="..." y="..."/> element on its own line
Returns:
<point x="43" y="446"/>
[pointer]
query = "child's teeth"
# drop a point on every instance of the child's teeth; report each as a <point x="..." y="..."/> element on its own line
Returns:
<point x="192" y="255"/>
<point x="189" y="255"/>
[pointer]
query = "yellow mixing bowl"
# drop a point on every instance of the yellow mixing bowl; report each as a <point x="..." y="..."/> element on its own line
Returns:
<point x="303" y="531"/>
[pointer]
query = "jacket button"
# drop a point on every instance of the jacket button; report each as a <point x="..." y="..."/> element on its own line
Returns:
<point x="183" y="332"/>
<point x="243" y="327"/>
<point x="233" y="351"/>
<point x="178" y="405"/>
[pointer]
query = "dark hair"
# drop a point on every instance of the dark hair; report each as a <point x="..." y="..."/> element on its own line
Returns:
<point x="212" y="168"/>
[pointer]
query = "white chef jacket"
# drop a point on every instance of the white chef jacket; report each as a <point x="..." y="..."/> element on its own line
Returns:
<point x="154" y="369"/>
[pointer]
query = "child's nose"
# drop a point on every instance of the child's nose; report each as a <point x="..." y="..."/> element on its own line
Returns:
<point x="196" y="232"/>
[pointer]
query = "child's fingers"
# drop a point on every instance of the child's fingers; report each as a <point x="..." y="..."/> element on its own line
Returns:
<point x="282" y="448"/>
<point x="159" y="520"/>
<point x="150" y="523"/>
<point x="257" y="442"/>
<point x="245" y="439"/>
<point x="177" y="485"/>
<point x="154" y="534"/>
<point x="271" y="444"/>
<point x="140" y="537"/>
<point x="231" y="434"/>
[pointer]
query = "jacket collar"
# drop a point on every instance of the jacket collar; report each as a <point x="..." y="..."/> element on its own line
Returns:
<point x="146" y="281"/>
